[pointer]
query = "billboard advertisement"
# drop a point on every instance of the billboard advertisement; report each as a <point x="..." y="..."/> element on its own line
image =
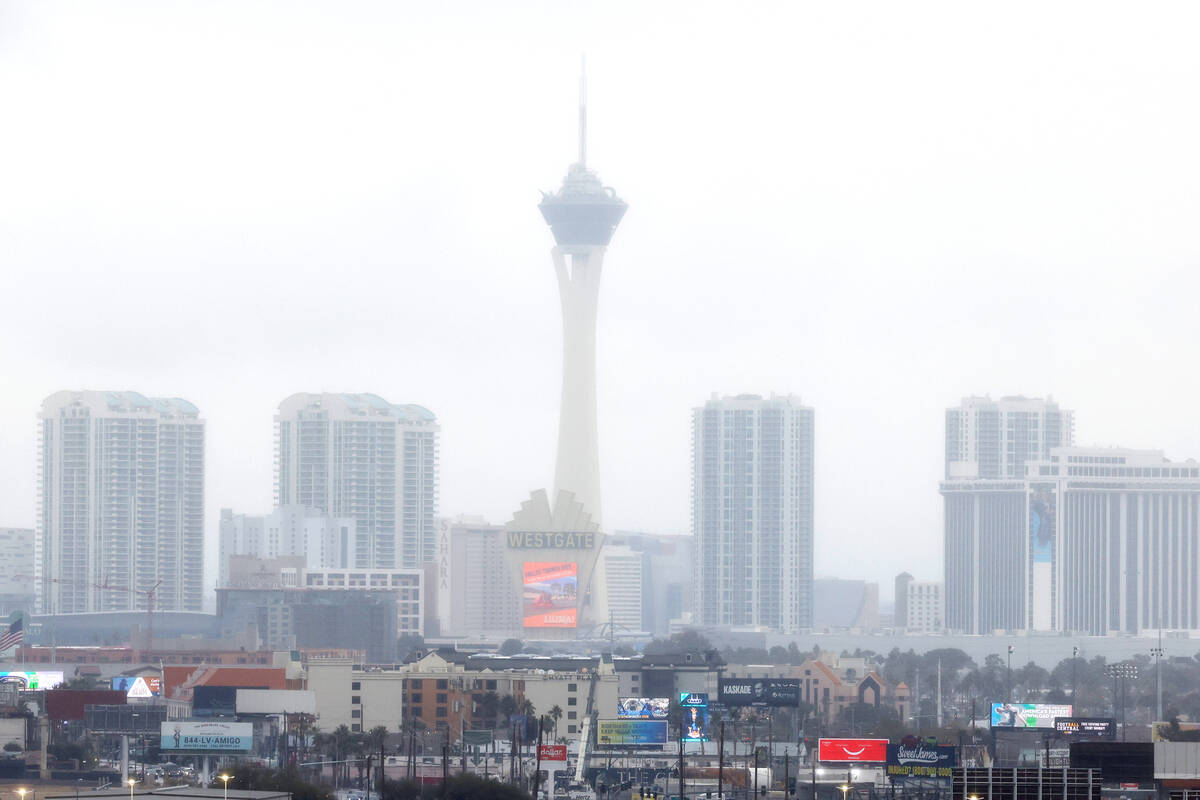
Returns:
<point x="1027" y="715"/>
<point x="643" y="707"/>
<point x="548" y="593"/>
<point x="631" y="731"/>
<point x="213" y="737"/>
<point x="552" y="752"/>
<point x="914" y="759"/>
<point x="694" y="706"/>
<point x="137" y="687"/>
<point x="759" y="691"/>
<point x="859" y="750"/>
<point x="1042" y="523"/>
<point x="1086" y="726"/>
<point x="33" y="679"/>
<point x="214" y="701"/>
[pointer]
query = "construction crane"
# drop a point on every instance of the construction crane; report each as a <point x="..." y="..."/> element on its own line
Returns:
<point x="151" y="597"/>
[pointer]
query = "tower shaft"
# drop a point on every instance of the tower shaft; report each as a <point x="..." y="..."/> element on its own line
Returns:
<point x="577" y="468"/>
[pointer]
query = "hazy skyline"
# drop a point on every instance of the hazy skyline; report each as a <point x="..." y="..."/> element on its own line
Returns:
<point x="878" y="207"/>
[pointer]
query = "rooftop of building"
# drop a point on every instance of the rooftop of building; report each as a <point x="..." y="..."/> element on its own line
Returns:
<point x="362" y="404"/>
<point x="125" y="402"/>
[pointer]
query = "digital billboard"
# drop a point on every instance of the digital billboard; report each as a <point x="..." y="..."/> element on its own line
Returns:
<point x="33" y="679"/>
<point x="759" y="691"/>
<point x="694" y="706"/>
<point x="858" y="750"/>
<point x="631" y="731"/>
<point x="224" y="737"/>
<point x="1085" y="726"/>
<point x="1027" y="715"/>
<point x="643" y="707"/>
<point x="911" y="759"/>
<point x="548" y="599"/>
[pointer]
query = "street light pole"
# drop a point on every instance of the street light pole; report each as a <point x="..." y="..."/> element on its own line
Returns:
<point x="1010" y="687"/>
<point x="226" y="779"/>
<point x="1074" y="665"/>
<point x="1157" y="652"/>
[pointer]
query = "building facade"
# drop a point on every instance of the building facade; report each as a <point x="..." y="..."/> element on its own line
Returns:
<point x="17" y="569"/>
<point x="841" y="604"/>
<point x="1095" y="541"/>
<point x="322" y="541"/>
<point x="1113" y="542"/>
<point x="752" y="512"/>
<point x="476" y="597"/>
<point x="988" y="445"/>
<point x="993" y="439"/>
<point x="120" y="520"/>
<point x="924" y="608"/>
<point x="360" y="457"/>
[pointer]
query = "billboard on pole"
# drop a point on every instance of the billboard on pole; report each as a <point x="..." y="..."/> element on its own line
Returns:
<point x="695" y="716"/>
<point x="631" y="731"/>
<point x="212" y="737"/>
<point x="643" y="707"/>
<point x="759" y="691"/>
<point x="1028" y="715"/>
<point x="856" y="750"/>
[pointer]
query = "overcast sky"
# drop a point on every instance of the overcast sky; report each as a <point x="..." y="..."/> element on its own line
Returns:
<point x="881" y="207"/>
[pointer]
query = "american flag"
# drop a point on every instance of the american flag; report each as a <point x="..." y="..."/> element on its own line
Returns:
<point x="14" y="635"/>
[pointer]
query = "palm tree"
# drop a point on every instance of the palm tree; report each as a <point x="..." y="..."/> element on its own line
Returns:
<point x="555" y="713"/>
<point x="341" y="739"/>
<point x="508" y="708"/>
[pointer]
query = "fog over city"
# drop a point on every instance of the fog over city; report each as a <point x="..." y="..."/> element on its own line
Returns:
<point x="879" y="207"/>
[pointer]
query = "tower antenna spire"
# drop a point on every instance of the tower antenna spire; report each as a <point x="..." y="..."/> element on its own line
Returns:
<point x="583" y="111"/>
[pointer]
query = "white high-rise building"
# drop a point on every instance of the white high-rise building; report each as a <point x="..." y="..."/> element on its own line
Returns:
<point x="924" y="610"/>
<point x="988" y="444"/>
<point x="120" y="503"/>
<point x="323" y="541"/>
<point x="360" y="457"/>
<point x="752" y="512"/>
<point x="1111" y="542"/>
<point x="993" y="439"/>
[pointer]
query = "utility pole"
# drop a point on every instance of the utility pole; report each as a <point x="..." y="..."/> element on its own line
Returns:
<point x="1074" y="667"/>
<point x="537" y="772"/>
<point x="786" y="793"/>
<point x="1158" y="654"/>
<point x="446" y="765"/>
<point x="721" y="764"/>
<point x="681" y="760"/>
<point x="939" y="691"/>
<point x="1010" y="685"/>
<point x="917" y="704"/>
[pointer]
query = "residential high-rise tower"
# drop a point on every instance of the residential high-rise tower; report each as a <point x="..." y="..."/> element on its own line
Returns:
<point x="120" y="520"/>
<point x="358" y="456"/>
<point x="752" y="512"/>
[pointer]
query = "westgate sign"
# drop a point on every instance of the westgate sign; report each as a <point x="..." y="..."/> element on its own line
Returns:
<point x="551" y="540"/>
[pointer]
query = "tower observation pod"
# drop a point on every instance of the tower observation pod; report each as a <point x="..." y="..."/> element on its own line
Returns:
<point x="583" y="215"/>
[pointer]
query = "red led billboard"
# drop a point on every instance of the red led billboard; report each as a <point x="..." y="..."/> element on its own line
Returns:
<point x="861" y="750"/>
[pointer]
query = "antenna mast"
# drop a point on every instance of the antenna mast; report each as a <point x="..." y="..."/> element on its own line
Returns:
<point x="583" y="111"/>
